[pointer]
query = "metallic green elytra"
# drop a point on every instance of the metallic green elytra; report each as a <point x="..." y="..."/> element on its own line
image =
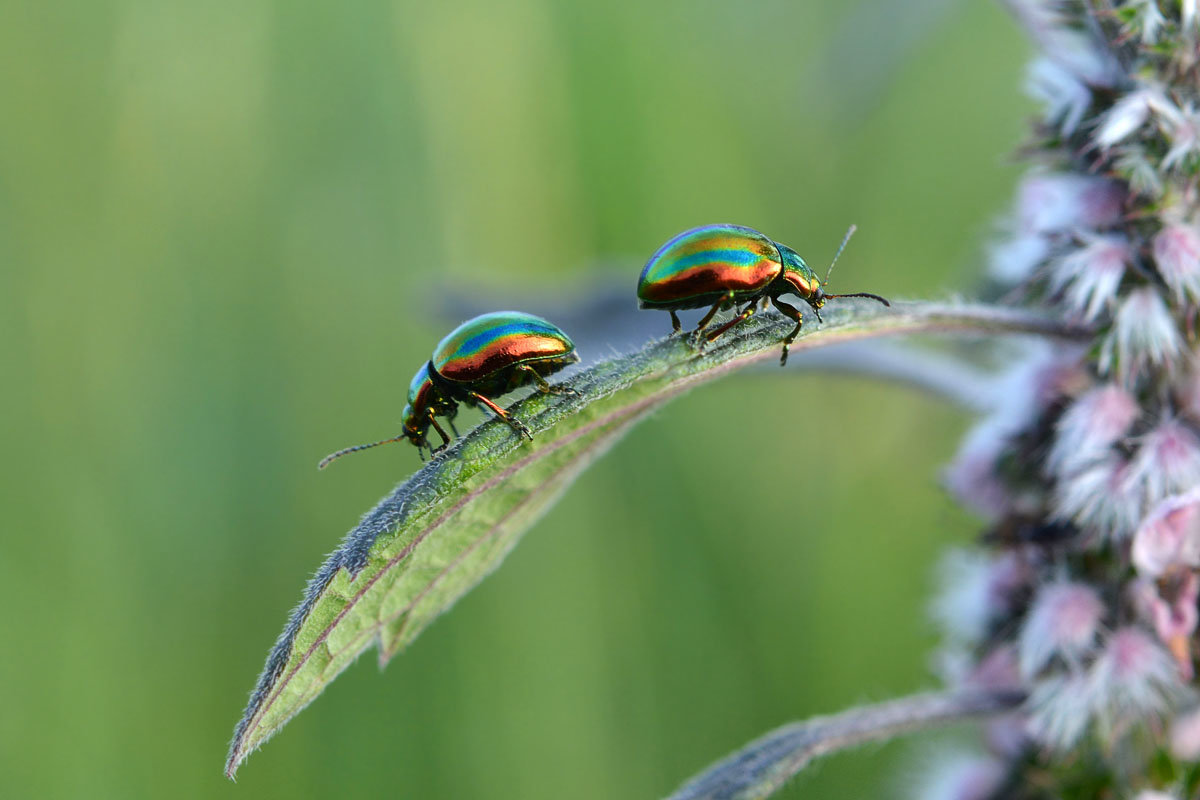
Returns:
<point x="487" y="356"/>
<point x="720" y="266"/>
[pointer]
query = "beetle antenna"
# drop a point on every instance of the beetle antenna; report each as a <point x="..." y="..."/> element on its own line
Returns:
<point x="863" y="294"/>
<point x="325" y="461"/>
<point x="849" y="232"/>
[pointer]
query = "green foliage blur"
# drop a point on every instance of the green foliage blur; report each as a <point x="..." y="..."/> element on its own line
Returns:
<point x="224" y="227"/>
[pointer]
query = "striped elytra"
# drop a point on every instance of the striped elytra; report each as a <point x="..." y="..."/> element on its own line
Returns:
<point x="479" y="347"/>
<point x="484" y="357"/>
<point x="699" y="266"/>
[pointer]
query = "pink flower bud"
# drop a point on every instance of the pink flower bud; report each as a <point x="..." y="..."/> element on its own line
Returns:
<point x="1133" y="680"/>
<point x="1063" y="621"/>
<point x="1170" y="605"/>
<point x="1182" y="129"/>
<point x="1168" y="461"/>
<point x="1169" y="536"/>
<point x="1144" y="336"/>
<point x="1091" y="275"/>
<point x="1092" y="425"/>
<point x="1175" y="618"/>
<point x="1100" y="498"/>
<point x="1177" y="255"/>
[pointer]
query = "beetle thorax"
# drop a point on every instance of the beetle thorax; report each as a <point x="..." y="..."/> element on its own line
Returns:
<point x="801" y="282"/>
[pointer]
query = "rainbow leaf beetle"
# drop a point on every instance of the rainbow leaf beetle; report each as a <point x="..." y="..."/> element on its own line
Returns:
<point x="484" y="357"/>
<point x="724" y="265"/>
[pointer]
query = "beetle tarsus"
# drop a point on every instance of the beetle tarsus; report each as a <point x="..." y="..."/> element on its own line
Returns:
<point x="520" y="428"/>
<point x="792" y="313"/>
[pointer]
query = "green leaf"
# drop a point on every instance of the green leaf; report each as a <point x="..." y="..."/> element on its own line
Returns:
<point x="440" y="532"/>
<point x="762" y="767"/>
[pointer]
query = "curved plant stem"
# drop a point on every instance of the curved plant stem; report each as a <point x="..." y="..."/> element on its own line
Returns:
<point x="943" y="375"/>
<point x="441" y="531"/>
<point x="762" y="767"/>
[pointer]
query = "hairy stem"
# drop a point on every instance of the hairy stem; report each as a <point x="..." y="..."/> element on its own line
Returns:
<point x="763" y="766"/>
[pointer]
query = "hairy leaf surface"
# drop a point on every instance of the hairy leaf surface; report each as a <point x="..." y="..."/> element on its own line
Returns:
<point x="445" y="528"/>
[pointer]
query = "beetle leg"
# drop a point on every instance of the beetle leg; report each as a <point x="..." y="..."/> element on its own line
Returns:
<point x="676" y="325"/>
<point x="705" y="319"/>
<point x="518" y="427"/>
<point x="543" y="386"/>
<point x="747" y="312"/>
<point x="722" y="303"/>
<point x="445" y="439"/>
<point x="792" y="313"/>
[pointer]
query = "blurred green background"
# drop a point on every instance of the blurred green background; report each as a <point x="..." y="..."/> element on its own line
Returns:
<point x="225" y="233"/>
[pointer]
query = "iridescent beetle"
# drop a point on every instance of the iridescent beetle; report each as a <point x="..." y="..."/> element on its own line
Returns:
<point x="484" y="357"/>
<point x="724" y="265"/>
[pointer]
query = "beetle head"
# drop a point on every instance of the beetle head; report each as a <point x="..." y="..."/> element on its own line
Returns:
<point x="415" y="426"/>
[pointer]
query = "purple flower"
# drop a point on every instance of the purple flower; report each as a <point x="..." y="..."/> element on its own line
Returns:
<point x="1170" y="606"/>
<point x="1167" y="461"/>
<point x="1143" y="337"/>
<point x="1063" y="621"/>
<point x="1169" y="536"/>
<point x="1133" y="681"/>
<point x="1091" y="274"/>
<point x="1100" y="498"/>
<point x="1090" y="427"/>
<point x="1177" y="255"/>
